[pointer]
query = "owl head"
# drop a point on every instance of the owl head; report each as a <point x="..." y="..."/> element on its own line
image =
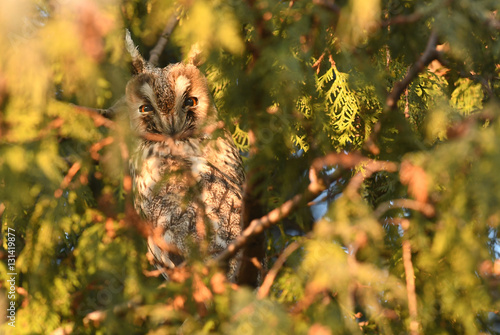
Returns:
<point x="172" y="101"/>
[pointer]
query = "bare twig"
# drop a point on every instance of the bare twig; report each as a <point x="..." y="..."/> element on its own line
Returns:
<point x="404" y="223"/>
<point x="470" y="75"/>
<point x="410" y="288"/>
<point x="312" y="290"/>
<point x="96" y="317"/>
<point x="67" y="179"/>
<point x="94" y="149"/>
<point x="317" y="64"/>
<point x="257" y="226"/>
<point x="328" y="4"/>
<point x="154" y="55"/>
<point x="271" y="275"/>
<point x="402" y="19"/>
<point x="97" y="116"/>
<point x="369" y="169"/>
<point x="430" y="54"/>
<point x="425" y="208"/>
<point x="315" y="187"/>
<point x="331" y="159"/>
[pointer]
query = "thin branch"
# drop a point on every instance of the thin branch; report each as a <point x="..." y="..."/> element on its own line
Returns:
<point x="96" y="317"/>
<point x="369" y="168"/>
<point x="425" y="208"/>
<point x="311" y="291"/>
<point x="328" y="4"/>
<point x="73" y="170"/>
<point x="331" y="159"/>
<point x="257" y="226"/>
<point x="410" y="288"/>
<point x="317" y="64"/>
<point x="94" y="148"/>
<point x="404" y="223"/>
<point x="462" y="128"/>
<point x="271" y="275"/>
<point x="315" y="187"/>
<point x="172" y="22"/>
<point x="430" y="54"/>
<point x="97" y="115"/>
<point x="470" y="75"/>
<point x="402" y="19"/>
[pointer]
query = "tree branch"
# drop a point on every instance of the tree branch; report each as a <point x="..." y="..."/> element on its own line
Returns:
<point x="315" y="187"/>
<point x="96" y="317"/>
<point x="430" y="53"/>
<point x="370" y="167"/>
<point x="328" y="4"/>
<point x="427" y="57"/>
<point x="402" y="19"/>
<point x="73" y="170"/>
<point x="425" y="208"/>
<point x="172" y="22"/>
<point x="98" y="115"/>
<point x="271" y="275"/>
<point x="470" y="75"/>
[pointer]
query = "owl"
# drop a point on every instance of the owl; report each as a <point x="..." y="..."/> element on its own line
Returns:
<point x="187" y="181"/>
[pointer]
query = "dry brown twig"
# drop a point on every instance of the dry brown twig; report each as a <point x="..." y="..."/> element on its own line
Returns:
<point x="369" y="168"/>
<point x="271" y="275"/>
<point x="424" y="208"/>
<point x="97" y="116"/>
<point x="73" y="170"/>
<point x="328" y="4"/>
<point x="402" y="19"/>
<point x="316" y="186"/>
<point x="430" y="53"/>
<point x="96" y="147"/>
<point x="96" y="317"/>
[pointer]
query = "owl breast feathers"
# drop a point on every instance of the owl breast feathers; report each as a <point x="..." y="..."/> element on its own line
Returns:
<point x="187" y="181"/>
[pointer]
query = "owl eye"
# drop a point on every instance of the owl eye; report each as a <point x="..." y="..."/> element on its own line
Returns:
<point x="146" y="109"/>
<point x="190" y="102"/>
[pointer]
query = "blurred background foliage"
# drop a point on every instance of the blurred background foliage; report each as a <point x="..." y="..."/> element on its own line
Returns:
<point x="412" y="247"/>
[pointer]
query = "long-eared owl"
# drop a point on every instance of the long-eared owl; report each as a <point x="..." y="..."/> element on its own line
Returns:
<point x="186" y="175"/>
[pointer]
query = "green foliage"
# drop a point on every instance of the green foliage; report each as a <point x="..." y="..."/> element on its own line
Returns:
<point x="412" y="247"/>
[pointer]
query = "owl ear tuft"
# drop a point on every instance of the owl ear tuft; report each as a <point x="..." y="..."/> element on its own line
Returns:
<point x="138" y="62"/>
<point x="194" y="56"/>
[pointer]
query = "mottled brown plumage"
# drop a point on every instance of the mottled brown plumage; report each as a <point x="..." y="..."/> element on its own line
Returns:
<point x="190" y="176"/>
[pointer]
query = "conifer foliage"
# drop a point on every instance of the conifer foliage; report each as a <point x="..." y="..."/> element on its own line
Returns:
<point x="370" y="136"/>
